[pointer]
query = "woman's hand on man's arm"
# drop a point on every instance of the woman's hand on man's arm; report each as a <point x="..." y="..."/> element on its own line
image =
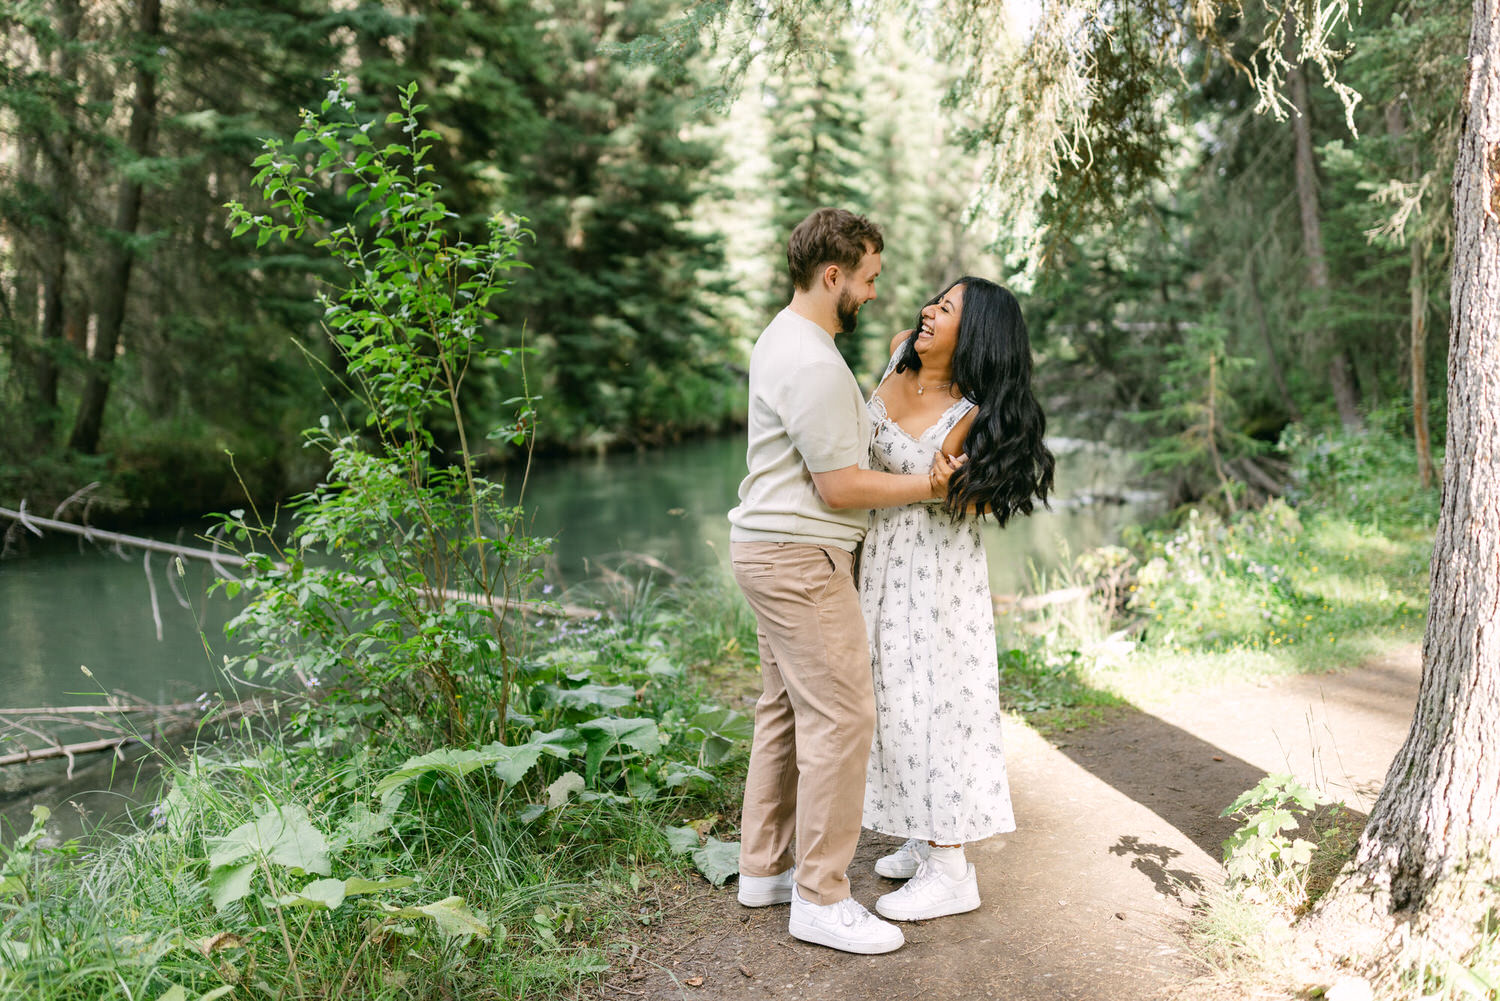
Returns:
<point x="852" y="487"/>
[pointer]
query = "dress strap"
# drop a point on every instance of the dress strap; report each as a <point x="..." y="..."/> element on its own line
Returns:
<point x="954" y="414"/>
<point x="891" y="365"/>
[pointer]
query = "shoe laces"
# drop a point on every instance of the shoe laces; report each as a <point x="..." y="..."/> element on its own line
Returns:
<point x="927" y="872"/>
<point x="852" y="912"/>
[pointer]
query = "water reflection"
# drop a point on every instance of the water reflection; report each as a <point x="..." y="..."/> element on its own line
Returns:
<point x="672" y="505"/>
<point x="65" y="603"/>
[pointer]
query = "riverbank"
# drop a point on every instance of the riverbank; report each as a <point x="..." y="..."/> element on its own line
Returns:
<point x="349" y="854"/>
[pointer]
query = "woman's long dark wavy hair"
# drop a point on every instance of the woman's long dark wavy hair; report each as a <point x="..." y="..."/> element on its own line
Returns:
<point x="1008" y="463"/>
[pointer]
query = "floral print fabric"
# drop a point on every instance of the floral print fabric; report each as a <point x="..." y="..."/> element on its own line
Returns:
<point x="937" y="762"/>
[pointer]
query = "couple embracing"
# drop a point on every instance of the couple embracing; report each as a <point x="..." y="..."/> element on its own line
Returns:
<point x="881" y="693"/>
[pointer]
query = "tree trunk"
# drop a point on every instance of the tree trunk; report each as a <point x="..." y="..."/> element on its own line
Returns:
<point x="120" y="258"/>
<point x="1395" y="124"/>
<point x="1419" y="404"/>
<point x="58" y="166"/>
<point x="1340" y="373"/>
<point x="1252" y="281"/>
<point x="1428" y="858"/>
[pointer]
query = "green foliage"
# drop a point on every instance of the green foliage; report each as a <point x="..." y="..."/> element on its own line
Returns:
<point x="333" y="863"/>
<point x="1368" y="477"/>
<point x="1331" y="582"/>
<point x="16" y="873"/>
<point x="1264" y="855"/>
<point x="818" y="154"/>
<point x="1195" y="429"/>
<point x="1047" y="681"/>
<point x="429" y="557"/>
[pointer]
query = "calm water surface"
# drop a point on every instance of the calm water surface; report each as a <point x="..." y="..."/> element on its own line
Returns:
<point x="65" y="603"/>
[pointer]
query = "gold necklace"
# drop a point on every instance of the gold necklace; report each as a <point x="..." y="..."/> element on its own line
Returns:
<point x="944" y="385"/>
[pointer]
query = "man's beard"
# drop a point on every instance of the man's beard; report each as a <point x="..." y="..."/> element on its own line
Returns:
<point x="848" y="312"/>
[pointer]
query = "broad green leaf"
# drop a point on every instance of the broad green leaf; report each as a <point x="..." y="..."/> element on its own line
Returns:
<point x="724" y="722"/>
<point x="451" y="915"/>
<point x="718" y="860"/>
<point x="512" y="763"/>
<point x="659" y="665"/>
<point x="229" y="883"/>
<point x="590" y="696"/>
<point x="560" y="791"/>
<point x="681" y="773"/>
<point x="174" y="993"/>
<point x="357" y="885"/>
<point x="681" y="839"/>
<point x="327" y="893"/>
<point x="610" y="732"/>
<point x="361" y="826"/>
<point x="284" y="836"/>
<point x="1301" y="852"/>
<point x="39" y="817"/>
<point x="450" y="761"/>
<point x="561" y="743"/>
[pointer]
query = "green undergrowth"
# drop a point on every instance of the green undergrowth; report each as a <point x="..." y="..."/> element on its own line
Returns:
<point x="330" y="858"/>
<point x="464" y="789"/>
<point x="1332" y="576"/>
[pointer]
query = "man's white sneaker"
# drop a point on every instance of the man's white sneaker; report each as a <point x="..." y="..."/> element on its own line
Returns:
<point x="763" y="891"/>
<point x="902" y="863"/>
<point x="931" y="893"/>
<point x="845" y="925"/>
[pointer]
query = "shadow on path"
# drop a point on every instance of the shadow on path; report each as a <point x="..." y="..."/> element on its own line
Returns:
<point x="1180" y="777"/>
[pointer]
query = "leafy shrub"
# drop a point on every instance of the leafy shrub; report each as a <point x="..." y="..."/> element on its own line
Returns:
<point x="399" y="570"/>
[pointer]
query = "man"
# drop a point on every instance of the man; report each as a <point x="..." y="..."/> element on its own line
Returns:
<point x="803" y="509"/>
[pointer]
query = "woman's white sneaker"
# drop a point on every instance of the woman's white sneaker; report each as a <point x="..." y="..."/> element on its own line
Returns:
<point x="763" y="891"/>
<point x="902" y="863"/>
<point x="931" y="893"/>
<point x="846" y="926"/>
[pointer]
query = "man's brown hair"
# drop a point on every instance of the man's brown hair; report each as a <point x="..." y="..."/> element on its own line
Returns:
<point x="829" y="236"/>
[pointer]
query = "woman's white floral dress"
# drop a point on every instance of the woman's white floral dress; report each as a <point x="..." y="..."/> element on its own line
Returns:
<point x="937" y="764"/>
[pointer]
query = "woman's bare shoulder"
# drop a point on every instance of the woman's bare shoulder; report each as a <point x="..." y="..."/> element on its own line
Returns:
<point x="897" y="341"/>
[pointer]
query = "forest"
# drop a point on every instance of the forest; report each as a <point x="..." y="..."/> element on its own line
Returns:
<point x="1303" y="255"/>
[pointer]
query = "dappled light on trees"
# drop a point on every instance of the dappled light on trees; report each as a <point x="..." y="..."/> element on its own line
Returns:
<point x="1427" y="859"/>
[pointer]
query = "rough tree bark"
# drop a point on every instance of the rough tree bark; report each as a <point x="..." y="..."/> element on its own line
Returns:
<point x="58" y="167"/>
<point x="1395" y="123"/>
<point x="1419" y="403"/>
<point x="1340" y="373"/>
<point x="115" y="284"/>
<point x="1428" y="864"/>
<point x="1252" y="283"/>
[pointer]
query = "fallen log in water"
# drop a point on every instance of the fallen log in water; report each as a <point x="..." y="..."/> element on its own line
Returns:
<point x="168" y="722"/>
<point x="66" y="751"/>
<point x="35" y="524"/>
<point x="138" y="707"/>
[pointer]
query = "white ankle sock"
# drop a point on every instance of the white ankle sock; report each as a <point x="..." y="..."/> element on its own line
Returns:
<point x="950" y="860"/>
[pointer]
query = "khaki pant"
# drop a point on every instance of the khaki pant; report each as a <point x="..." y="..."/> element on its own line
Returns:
<point x="814" y="719"/>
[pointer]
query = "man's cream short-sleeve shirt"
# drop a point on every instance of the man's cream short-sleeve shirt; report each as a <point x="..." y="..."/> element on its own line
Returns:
<point x="806" y="416"/>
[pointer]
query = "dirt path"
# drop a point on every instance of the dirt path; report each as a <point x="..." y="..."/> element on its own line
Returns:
<point x="1087" y="900"/>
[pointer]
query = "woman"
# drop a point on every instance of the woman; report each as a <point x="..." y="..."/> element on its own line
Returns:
<point x="960" y="383"/>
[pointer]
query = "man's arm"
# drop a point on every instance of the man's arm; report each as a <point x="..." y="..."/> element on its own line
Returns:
<point x="852" y="487"/>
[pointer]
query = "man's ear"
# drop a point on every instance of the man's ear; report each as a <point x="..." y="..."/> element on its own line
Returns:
<point x="830" y="274"/>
